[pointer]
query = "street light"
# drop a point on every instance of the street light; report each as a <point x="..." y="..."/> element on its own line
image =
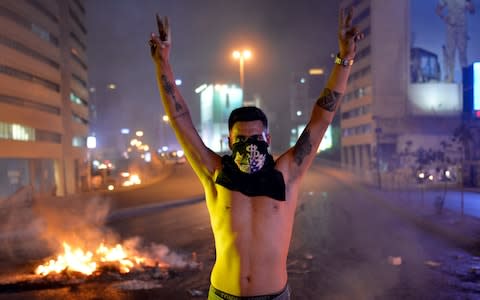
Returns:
<point x="165" y="120"/>
<point x="242" y="56"/>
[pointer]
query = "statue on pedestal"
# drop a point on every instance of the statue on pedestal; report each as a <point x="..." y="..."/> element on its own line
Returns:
<point x="456" y="20"/>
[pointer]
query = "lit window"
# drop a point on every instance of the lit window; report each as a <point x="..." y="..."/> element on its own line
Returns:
<point x="78" y="141"/>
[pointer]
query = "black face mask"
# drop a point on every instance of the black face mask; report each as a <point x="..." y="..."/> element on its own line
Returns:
<point x="262" y="180"/>
<point x="250" y="155"/>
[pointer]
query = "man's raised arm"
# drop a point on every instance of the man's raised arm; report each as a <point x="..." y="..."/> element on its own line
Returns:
<point x="302" y="154"/>
<point x="203" y="160"/>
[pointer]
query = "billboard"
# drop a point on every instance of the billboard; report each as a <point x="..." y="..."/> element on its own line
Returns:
<point x="436" y="99"/>
<point x="476" y="86"/>
<point x="471" y="90"/>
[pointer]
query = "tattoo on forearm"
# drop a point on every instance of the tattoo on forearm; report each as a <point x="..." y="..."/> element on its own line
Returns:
<point x="180" y="115"/>
<point x="170" y="89"/>
<point x="329" y="99"/>
<point x="303" y="147"/>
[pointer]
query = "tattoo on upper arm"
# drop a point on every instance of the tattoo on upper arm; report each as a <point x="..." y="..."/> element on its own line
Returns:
<point x="329" y="99"/>
<point x="170" y="89"/>
<point x="303" y="147"/>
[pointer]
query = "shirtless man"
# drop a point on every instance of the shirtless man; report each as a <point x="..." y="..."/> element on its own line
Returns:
<point x="250" y="197"/>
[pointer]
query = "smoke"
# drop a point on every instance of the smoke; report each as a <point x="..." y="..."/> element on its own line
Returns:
<point x="30" y="230"/>
<point x="75" y="220"/>
<point x="19" y="229"/>
<point x="347" y="238"/>
<point x="34" y="231"/>
<point x="158" y="254"/>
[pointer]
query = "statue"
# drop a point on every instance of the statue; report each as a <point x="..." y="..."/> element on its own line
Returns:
<point x="457" y="36"/>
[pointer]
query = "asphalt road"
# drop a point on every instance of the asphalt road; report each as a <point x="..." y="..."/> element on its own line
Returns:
<point x="346" y="245"/>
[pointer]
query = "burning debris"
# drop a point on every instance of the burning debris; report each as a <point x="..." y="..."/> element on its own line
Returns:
<point x="86" y="251"/>
<point x="87" y="262"/>
<point x="123" y="259"/>
<point x="126" y="266"/>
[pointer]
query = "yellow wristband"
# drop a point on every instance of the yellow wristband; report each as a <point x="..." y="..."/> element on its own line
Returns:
<point x="343" y="62"/>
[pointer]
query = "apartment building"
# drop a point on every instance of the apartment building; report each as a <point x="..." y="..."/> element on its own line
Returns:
<point x="385" y="107"/>
<point x="44" y="106"/>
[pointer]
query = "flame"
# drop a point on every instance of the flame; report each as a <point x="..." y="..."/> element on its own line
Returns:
<point x="75" y="260"/>
<point x="86" y="262"/>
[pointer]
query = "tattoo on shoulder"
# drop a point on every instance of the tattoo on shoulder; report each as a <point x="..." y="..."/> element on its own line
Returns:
<point x="170" y="89"/>
<point x="329" y="99"/>
<point x="303" y="147"/>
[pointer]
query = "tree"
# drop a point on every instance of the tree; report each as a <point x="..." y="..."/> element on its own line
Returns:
<point x="464" y="135"/>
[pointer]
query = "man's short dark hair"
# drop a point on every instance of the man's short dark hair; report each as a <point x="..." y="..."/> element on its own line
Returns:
<point x="245" y="114"/>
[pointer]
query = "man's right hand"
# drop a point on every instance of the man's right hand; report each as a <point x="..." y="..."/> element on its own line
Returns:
<point x="160" y="44"/>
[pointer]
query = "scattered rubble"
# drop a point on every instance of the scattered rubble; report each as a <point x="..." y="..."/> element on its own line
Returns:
<point x="132" y="285"/>
<point x="432" y="263"/>
<point x="196" y="293"/>
<point x="308" y="256"/>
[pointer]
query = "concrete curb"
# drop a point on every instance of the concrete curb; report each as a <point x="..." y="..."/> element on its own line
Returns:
<point x="150" y="208"/>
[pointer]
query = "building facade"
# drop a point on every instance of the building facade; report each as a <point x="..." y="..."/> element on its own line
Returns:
<point x="44" y="113"/>
<point x="217" y="102"/>
<point x="395" y="97"/>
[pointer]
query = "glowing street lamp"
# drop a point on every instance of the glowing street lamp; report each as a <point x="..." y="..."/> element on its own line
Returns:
<point x="242" y="56"/>
<point x="164" y="124"/>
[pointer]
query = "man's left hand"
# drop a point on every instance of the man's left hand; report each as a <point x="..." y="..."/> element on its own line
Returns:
<point x="348" y="35"/>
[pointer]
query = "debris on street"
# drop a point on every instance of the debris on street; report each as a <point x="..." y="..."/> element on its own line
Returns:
<point x="432" y="263"/>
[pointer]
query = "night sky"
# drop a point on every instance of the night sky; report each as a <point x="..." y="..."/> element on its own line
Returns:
<point x="285" y="36"/>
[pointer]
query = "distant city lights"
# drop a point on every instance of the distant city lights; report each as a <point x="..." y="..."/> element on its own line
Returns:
<point x="199" y="89"/>
<point x="178" y="82"/>
<point x="91" y="142"/>
<point x="245" y="54"/>
<point x="125" y="131"/>
<point x="316" y="71"/>
<point x="139" y="133"/>
<point x="148" y="157"/>
<point x="111" y="86"/>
